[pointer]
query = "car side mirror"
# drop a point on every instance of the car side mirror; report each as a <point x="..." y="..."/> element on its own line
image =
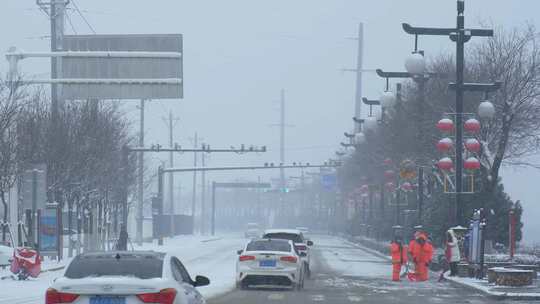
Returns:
<point x="310" y="243"/>
<point x="239" y="252"/>
<point x="201" y="281"/>
<point x="303" y="254"/>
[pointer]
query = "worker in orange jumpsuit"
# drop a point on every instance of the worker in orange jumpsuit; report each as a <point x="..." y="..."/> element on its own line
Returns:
<point x="399" y="257"/>
<point x="421" y="252"/>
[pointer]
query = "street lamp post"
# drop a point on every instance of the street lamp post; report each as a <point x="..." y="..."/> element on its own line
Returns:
<point x="460" y="35"/>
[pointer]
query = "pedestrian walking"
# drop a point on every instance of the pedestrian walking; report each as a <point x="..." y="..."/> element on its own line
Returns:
<point x="399" y="257"/>
<point x="452" y="253"/>
<point x="421" y="252"/>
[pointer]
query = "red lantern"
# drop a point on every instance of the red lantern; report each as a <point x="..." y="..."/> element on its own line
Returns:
<point x="472" y="125"/>
<point x="472" y="145"/>
<point x="389" y="174"/>
<point x="390" y="186"/>
<point x="445" y="125"/>
<point x="444" y="144"/>
<point x="388" y="162"/>
<point x="445" y="163"/>
<point x="471" y="163"/>
<point x="364" y="188"/>
<point x="406" y="186"/>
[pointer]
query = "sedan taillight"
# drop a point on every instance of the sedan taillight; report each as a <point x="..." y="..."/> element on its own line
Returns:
<point x="290" y="259"/>
<point x="53" y="296"/>
<point x="164" y="296"/>
<point x="244" y="258"/>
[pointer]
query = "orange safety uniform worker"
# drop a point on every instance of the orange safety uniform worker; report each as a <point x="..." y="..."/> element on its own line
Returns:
<point x="421" y="251"/>
<point x="399" y="257"/>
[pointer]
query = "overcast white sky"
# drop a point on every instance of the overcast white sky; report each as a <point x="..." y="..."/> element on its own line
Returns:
<point x="238" y="54"/>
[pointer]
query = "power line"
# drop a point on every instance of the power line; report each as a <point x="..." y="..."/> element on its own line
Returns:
<point x="71" y="24"/>
<point x="82" y="16"/>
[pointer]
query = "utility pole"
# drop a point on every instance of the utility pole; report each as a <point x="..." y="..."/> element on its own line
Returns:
<point x="203" y="197"/>
<point x="194" y="191"/>
<point x="282" y="138"/>
<point x="359" y="70"/>
<point x="140" y="202"/>
<point x="282" y="151"/>
<point x="57" y="16"/>
<point x="171" y="122"/>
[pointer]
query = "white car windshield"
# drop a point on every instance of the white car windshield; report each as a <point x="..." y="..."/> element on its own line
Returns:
<point x="269" y="245"/>
<point x="142" y="267"/>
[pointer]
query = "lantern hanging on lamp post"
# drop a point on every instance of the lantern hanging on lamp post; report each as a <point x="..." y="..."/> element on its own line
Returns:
<point x="471" y="163"/>
<point x="444" y="145"/>
<point x="445" y="163"/>
<point x="472" y="125"/>
<point x="406" y="186"/>
<point x="473" y="145"/>
<point x="445" y="125"/>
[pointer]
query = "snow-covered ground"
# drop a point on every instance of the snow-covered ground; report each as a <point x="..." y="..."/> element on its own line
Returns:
<point x="346" y="259"/>
<point x="214" y="257"/>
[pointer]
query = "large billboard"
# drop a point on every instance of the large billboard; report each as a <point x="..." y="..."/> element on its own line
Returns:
<point x="159" y="78"/>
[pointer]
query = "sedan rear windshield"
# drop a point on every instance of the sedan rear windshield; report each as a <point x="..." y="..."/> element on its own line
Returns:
<point x="284" y="236"/>
<point x="138" y="266"/>
<point x="268" y="245"/>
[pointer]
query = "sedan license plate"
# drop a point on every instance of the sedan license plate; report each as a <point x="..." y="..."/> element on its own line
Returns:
<point x="267" y="263"/>
<point x="107" y="300"/>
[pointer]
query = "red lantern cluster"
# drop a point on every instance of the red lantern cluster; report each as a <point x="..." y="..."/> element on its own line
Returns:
<point x="445" y="125"/>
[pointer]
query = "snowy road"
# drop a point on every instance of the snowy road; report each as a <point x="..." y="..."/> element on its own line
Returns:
<point x="342" y="273"/>
<point x="345" y="273"/>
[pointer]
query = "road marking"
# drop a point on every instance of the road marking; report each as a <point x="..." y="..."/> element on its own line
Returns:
<point x="354" y="298"/>
<point x="276" y="296"/>
<point x="317" y="298"/>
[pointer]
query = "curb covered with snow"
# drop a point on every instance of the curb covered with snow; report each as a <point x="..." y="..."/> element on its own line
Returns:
<point x="487" y="289"/>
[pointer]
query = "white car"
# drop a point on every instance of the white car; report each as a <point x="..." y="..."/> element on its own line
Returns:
<point x="300" y="243"/>
<point x="126" y="277"/>
<point x="268" y="262"/>
<point x="252" y="231"/>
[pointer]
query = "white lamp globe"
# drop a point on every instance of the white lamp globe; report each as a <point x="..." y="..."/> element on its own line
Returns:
<point x="415" y="64"/>
<point x="359" y="138"/>
<point x="486" y="110"/>
<point x="387" y="99"/>
<point x="370" y="123"/>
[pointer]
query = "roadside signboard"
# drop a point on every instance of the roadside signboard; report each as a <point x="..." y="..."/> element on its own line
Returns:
<point x="48" y="232"/>
<point x="329" y="181"/>
<point x="120" y="74"/>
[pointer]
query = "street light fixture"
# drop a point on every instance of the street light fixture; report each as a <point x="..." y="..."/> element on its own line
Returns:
<point x="486" y="110"/>
<point x="415" y="63"/>
<point x="460" y="35"/>
<point x="387" y="99"/>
